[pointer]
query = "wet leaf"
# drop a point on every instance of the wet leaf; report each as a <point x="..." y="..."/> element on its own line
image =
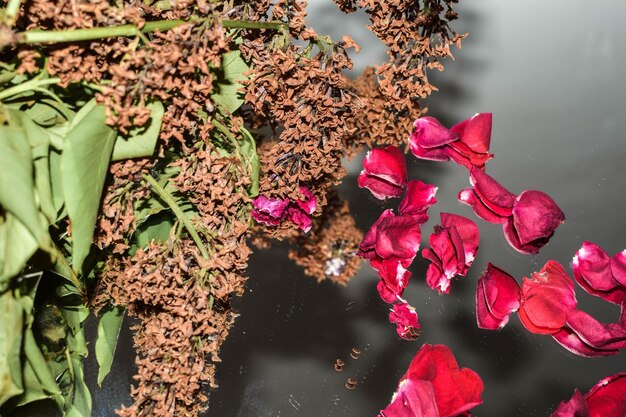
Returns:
<point x="84" y="164"/>
<point x="109" y="328"/>
<point x="141" y="141"/>
<point x="229" y="74"/>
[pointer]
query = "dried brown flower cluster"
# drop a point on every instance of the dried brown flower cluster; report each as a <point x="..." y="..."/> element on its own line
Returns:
<point x="328" y="250"/>
<point x="418" y="36"/>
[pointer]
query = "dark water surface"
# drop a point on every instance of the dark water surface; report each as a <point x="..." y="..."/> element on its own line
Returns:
<point x="552" y="74"/>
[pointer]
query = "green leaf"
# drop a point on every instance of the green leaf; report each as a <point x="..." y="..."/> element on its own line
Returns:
<point x="80" y="405"/>
<point x="11" y="324"/>
<point x="84" y="164"/>
<point x="17" y="245"/>
<point x="56" y="184"/>
<point x="17" y="189"/>
<point x="229" y="75"/>
<point x="39" y="383"/>
<point x="109" y="328"/>
<point x="39" y="141"/>
<point x="142" y="140"/>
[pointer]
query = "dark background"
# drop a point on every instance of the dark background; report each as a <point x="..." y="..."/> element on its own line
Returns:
<point x="551" y="72"/>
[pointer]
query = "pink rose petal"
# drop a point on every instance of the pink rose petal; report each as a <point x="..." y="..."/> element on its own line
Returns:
<point x="406" y="320"/>
<point x="567" y="338"/>
<point x="595" y="334"/>
<point x="575" y="407"/>
<point x="309" y="204"/>
<point x="594" y="271"/>
<point x="493" y="195"/>
<point x="300" y="218"/>
<point x="269" y="210"/>
<point x="384" y="172"/>
<point x="417" y="200"/>
<point x="467" y="143"/>
<point x="536" y="216"/>
<point x="497" y="296"/>
<point x="547" y="299"/>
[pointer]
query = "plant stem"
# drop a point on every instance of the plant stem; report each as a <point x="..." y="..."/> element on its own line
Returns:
<point x="63" y="267"/>
<point x="178" y="212"/>
<point x="11" y="12"/>
<point x="77" y="35"/>
<point x="26" y="86"/>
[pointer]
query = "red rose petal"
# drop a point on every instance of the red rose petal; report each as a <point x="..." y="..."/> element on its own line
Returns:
<point x="475" y="132"/>
<point x="468" y="232"/>
<point x="468" y="196"/>
<point x="463" y="155"/>
<point x="309" y="204"/>
<point x="456" y="390"/>
<point x="575" y="407"/>
<point x="398" y="237"/>
<point x="497" y="296"/>
<point x="419" y="197"/>
<point x="536" y="216"/>
<point x="384" y="172"/>
<point x="493" y="195"/>
<point x="394" y="279"/>
<point x="406" y="320"/>
<point x="567" y="338"/>
<point x="595" y="334"/>
<point x="300" y="218"/>
<point x="618" y="267"/>
<point x="547" y="299"/>
<point x="269" y="210"/>
<point x="511" y="236"/>
<point x="413" y="399"/>
<point x="368" y="244"/>
<point x="608" y="397"/>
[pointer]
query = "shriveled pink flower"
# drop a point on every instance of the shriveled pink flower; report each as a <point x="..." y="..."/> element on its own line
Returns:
<point x="435" y="386"/>
<point x="384" y="172"/>
<point x="535" y="218"/>
<point x="467" y="143"/>
<point x="417" y="200"/>
<point x="586" y="336"/>
<point x="547" y="299"/>
<point x="599" y="274"/>
<point x="405" y="318"/>
<point x="268" y="210"/>
<point x="497" y="296"/>
<point x="391" y="237"/>
<point x="393" y="279"/>
<point x="490" y="200"/>
<point x="606" y="399"/>
<point x="453" y="246"/>
<point x="273" y="211"/>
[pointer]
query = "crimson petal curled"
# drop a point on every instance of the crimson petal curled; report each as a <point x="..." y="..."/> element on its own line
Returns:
<point x="384" y="172"/>
<point x="453" y="246"/>
<point x="497" y="296"/>
<point x="467" y="143"/>
<point x="606" y="399"/>
<point x="417" y="200"/>
<point x="490" y="200"/>
<point x="393" y="279"/>
<point x="547" y="299"/>
<point x="391" y="237"/>
<point x="535" y="218"/>
<point x="435" y="386"/>
<point x="405" y="318"/>
<point x="599" y="274"/>
<point x="268" y="210"/>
